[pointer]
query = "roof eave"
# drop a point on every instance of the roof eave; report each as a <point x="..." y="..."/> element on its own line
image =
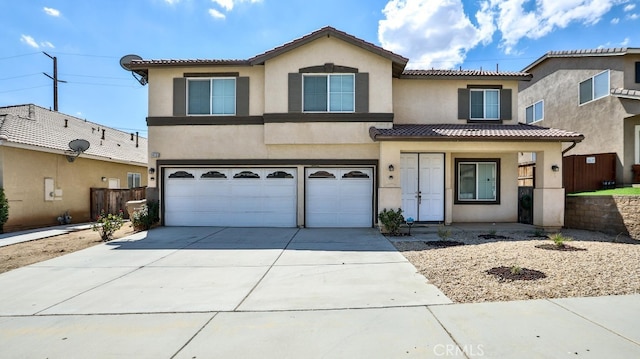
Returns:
<point x="377" y="137"/>
<point x="474" y="77"/>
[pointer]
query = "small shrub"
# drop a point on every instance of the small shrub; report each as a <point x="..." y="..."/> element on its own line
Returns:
<point x="4" y="210"/>
<point x="515" y="270"/>
<point x="392" y="220"/>
<point x="146" y="216"/>
<point x="492" y="232"/>
<point x="539" y="233"/>
<point x="107" y="224"/>
<point x="559" y="239"/>
<point x="443" y="232"/>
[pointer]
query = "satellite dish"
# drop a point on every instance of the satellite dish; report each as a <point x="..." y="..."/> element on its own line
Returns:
<point x="126" y="60"/>
<point x="77" y="146"/>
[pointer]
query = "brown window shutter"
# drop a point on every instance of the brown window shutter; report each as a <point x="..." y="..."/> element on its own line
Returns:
<point x="505" y="104"/>
<point x="295" y="92"/>
<point x="242" y="96"/>
<point x="179" y="96"/>
<point x="362" y="92"/>
<point x="463" y="104"/>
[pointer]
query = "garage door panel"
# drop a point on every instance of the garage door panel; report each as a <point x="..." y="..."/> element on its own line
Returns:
<point x="213" y="197"/>
<point x="339" y="197"/>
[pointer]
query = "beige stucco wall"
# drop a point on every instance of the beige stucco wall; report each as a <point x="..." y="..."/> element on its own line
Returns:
<point x="603" y="122"/>
<point x="161" y="86"/>
<point x="436" y="101"/>
<point x="24" y="173"/>
<point x="319" y="52"/>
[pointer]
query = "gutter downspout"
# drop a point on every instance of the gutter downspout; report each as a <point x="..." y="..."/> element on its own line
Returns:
<point x="570" y="147"/>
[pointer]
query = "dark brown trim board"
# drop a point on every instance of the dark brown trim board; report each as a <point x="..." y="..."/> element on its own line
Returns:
<point x="477" y="160"/>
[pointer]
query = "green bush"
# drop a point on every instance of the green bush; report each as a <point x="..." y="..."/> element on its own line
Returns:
<point x="146" y="216"/>
<point x="559" y="240"/>
<point x="107" y="224"/>
<point x="392" y="220"/>
<point x="4" y="210"/>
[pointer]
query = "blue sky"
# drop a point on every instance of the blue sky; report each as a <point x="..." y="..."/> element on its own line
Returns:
<point x="88" y="37"/>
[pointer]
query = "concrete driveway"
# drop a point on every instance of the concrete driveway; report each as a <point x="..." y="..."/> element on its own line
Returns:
<point x="274" y="293"/>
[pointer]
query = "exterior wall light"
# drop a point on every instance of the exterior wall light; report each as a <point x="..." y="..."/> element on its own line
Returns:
<point x="152" y="170"/>
<point x="103" y="179"/>
<point x="391" y="168"/>
<point x="555" y="168"/>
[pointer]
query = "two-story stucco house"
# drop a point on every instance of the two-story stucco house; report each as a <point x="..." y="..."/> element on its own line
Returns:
<point x="594" y="92"/>
<point x="328" y="130"/>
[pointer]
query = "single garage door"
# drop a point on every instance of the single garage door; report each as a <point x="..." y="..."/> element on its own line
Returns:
<point x="339" y="197"/>
<point x="234" y="197"/>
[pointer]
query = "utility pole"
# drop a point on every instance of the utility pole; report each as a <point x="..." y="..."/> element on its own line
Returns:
<point x="55" y="80"/>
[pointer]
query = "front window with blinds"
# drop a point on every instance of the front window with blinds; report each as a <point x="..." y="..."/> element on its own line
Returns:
<point x="485" y="104"/>
<point x="477" y="181"/>
<point x="215" y="96"/>
<point x="329" y="93"/>
<point x="594" y="87"/>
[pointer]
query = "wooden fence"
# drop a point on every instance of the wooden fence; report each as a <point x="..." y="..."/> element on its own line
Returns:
<point x="526" y="175"/>
<point x="583" y="173"/>
<point x="113" y="200"/>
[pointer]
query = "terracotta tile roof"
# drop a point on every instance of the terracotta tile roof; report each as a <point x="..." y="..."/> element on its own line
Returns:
<point x="618" y="51"/>
<point x="37" y="127"/>
<point x="472" y="131"/>
<point x="466" y="74"/>
<point x="626" y="93"/>
<point x="398" y="61"/>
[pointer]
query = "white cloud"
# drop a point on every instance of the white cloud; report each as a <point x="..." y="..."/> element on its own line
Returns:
<point x="216" y="14"/>
<point x="172" y="2"/>
<point x="629" y="7"/>
<point x="228" y="5"/>
<point x="29" y="40"/>
<point x="51" y="11"/>
<point x="633" y="16"/>
<point x="615" y="20"/>
<point x="625" y="42"/>
<point x="433" y="33"/>
<point x="516" y="23"/>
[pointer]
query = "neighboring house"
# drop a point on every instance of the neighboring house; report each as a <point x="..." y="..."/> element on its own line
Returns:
<point x="36" y="172"/>
<point x="594" y="92"/>
<point x="328" y="130"/>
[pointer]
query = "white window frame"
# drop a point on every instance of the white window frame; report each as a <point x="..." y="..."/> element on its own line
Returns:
<point x="484" y="104"/>
<point x="593" y="87"/>
<point x="328" y="76"/>
<point x="496" y="195"/>
<point x="211" y="79"/>
<point x="131" y="179"/>
<point x="533" y="111"/>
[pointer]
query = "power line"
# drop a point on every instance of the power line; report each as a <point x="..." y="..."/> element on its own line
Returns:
<point x="26" y="88"/>
<point x="19" y="76"/>
<point x="99" y="77"/>
<point x="101" y="84"/>
<point x="21" y="55"/>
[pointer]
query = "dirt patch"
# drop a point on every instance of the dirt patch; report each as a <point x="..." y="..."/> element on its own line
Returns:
<point x="507" y="273"/>
<point x="442" y="244"/>
<point x="25" y="253"/>
<point x="564" y="247"/>
<point x="493" y="236"/>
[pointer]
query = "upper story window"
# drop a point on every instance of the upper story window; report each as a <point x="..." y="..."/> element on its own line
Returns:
<point x="595" y="87"/>
<point x="328" y="93"/>
<point x="535" y="112"/>
<point x="485" y="104"/>
<point x="213" y="96"/>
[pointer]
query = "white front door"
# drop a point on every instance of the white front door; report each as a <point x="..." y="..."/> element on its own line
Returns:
<point x="422" y="176"/>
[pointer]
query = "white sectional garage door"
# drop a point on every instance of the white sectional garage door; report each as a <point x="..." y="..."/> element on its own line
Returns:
<point x="339" y="197"/>
<point x="235" y="197"/>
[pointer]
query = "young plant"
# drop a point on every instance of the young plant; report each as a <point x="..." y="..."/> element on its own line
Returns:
<point x="444" y="233"/>
<point x="107" y="224"/>
<point x="492" y="232"/>
<point x="4" y="209"/>
<point x="516" y="270"/>
<point x="539" y="233"/>
<point x="392" y="220"/>
<point x="559" y="240"/>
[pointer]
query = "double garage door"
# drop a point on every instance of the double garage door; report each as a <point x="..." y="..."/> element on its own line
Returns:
<point x="267" y="197"/>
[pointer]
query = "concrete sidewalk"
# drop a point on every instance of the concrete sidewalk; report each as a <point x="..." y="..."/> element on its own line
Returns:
<point x="206" y="292"/>
<point x="40" y="233"/>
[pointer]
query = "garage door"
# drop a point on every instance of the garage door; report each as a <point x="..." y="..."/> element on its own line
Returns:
<point x="339" y="197"/>
<point x="235" y="197"/>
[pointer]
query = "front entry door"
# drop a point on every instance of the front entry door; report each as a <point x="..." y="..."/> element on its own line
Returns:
<point x="423" y="186"/>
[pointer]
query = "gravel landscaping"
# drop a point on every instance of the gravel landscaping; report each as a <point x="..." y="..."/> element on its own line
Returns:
<point x="489" y="267"/>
